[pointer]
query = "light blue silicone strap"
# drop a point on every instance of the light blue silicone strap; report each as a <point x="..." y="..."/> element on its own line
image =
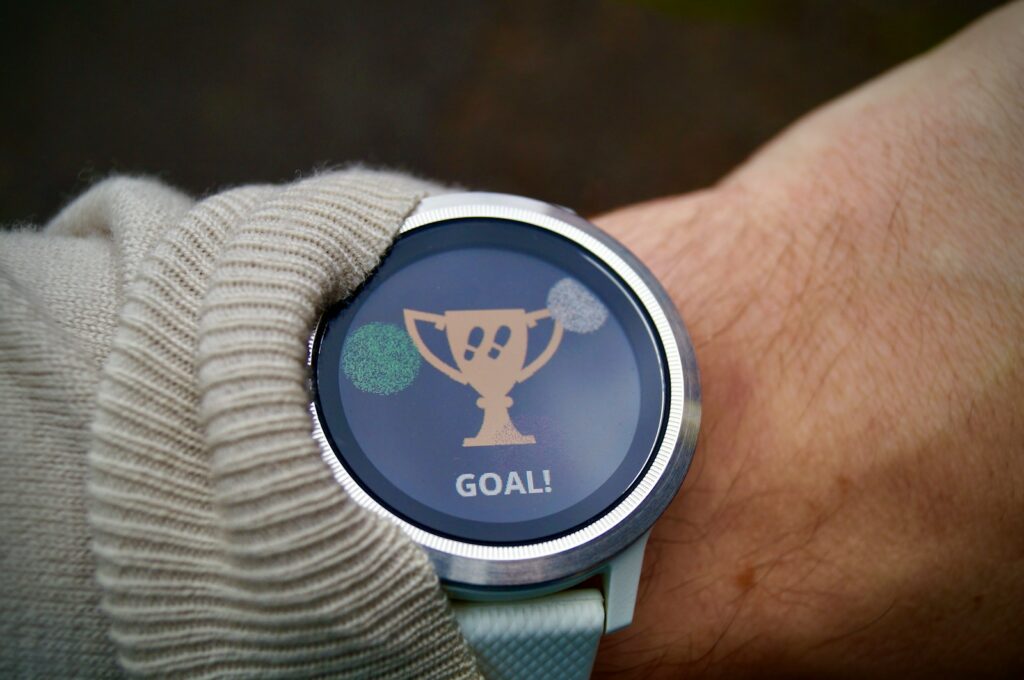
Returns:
<point x="546" y="638"/>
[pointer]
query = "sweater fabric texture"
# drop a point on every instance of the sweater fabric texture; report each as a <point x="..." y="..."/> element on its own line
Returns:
<point x="164" y="509"/>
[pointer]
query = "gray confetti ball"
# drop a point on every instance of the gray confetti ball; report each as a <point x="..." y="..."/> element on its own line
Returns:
<point x="577" y="308"/>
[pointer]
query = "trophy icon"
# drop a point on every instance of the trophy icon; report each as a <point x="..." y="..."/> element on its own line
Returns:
<point x="489" y="348"/>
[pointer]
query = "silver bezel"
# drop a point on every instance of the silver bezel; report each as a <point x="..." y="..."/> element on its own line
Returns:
<point x="473" y="566"/>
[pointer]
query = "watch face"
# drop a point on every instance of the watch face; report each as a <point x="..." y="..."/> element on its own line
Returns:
<point x="492" y="382"/>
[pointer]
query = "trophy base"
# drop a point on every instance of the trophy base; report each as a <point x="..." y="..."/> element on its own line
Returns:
<point x="504" y="439"/>
<point x="497" y="428"/>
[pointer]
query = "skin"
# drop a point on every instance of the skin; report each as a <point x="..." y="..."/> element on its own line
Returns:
<point x="855" y="294"/>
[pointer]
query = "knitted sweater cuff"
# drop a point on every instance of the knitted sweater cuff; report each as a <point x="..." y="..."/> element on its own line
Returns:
<point x="223" y="544"/>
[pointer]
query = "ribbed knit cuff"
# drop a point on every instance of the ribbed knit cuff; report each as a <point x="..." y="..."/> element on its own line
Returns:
<point x="224" y="546"/>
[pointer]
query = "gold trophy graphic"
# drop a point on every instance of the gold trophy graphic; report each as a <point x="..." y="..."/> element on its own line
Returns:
<point x="489" y="348"/>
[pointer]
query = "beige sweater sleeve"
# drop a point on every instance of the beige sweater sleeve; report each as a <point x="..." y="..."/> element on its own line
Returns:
<point x="163" y="507"/>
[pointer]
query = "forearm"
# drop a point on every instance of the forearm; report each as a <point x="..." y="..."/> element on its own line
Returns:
<point x="854" y="294"/>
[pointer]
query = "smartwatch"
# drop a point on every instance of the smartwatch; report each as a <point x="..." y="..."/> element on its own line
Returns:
<point x="516" y="391"/>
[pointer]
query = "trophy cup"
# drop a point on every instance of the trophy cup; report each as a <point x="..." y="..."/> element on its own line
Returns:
<point x="489" y="348"/>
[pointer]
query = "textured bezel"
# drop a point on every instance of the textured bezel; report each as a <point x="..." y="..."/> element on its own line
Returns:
<point x="474" y="566"/>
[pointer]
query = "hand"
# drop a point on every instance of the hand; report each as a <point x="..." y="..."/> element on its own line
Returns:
<point x="855" y="293"/>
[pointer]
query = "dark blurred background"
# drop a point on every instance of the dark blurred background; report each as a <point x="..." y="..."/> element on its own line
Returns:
<point x="588" y="104"/>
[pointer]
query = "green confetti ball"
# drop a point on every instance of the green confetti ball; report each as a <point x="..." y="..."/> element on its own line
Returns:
<point x="380" y="358"/>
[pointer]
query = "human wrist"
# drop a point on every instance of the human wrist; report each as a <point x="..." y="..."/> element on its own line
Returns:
<point x="808" y="535"/>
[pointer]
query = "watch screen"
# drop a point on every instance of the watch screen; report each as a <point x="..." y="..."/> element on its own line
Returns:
<point x="491" y="382"/>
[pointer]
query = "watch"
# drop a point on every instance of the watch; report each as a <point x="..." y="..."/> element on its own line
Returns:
<point x="516" y="391"/>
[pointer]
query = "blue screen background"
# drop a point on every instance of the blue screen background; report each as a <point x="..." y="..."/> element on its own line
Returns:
<point x="582" y="406"/>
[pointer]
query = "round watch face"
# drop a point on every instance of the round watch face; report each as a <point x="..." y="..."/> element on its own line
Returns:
<point x="512" y="387"/>
<point x="492" y="382"/>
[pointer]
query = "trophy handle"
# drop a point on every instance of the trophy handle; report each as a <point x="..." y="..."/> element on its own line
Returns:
<point x="549" y="351"/>
<point x="411" y="317"/>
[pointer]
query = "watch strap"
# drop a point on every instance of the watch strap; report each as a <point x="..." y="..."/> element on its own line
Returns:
<point x="555" y="636"/>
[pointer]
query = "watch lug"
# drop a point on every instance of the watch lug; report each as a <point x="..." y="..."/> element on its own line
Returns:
<point x="621" y="577"/>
